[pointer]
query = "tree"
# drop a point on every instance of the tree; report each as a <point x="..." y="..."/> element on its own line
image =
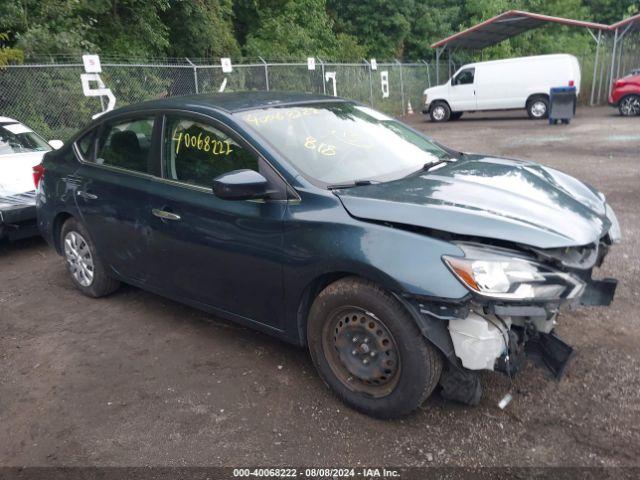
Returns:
<point x="381" y="26"/>
<point x="200" y="29"/>
<point x="295" y="29"/>
<point x="8" y="54"/>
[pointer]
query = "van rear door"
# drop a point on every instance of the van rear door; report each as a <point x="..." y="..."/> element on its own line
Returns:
<point x="462" y="90"/>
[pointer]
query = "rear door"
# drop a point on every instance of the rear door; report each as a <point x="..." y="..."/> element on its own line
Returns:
<point x="111" y="191"/>
<point x="225" y="254"/>
<point x="462" y="91"/>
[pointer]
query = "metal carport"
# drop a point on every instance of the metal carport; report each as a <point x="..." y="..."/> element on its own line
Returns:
<point x="510" y="24"/>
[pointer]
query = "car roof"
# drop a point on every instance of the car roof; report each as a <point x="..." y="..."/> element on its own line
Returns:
<point x="231" y="102"/>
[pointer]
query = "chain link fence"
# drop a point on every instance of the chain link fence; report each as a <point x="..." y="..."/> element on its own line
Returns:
<point x="49" y="97"/>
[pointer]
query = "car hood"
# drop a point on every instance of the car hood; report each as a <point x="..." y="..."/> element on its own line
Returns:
<point x="497" y="198"/>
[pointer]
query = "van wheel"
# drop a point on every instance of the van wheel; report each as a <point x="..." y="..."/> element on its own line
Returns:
<point x="629" y="106"/>
<point x="538" y="107"/>
<point x="88" y="274"/>
<point x="369" y="351"/>
<point x="439" y="112"/>
<point x="456" y="115"/>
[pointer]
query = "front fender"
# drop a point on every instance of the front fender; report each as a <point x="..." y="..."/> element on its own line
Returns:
<point x="320" y="239"/>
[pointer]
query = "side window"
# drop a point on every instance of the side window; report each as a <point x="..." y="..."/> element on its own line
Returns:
<point x="196" y="153"/>
<point x="465" y="77"/>
<point x="126" y="144"/>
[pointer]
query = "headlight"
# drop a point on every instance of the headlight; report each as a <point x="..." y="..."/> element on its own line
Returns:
<point x="501" y="273"/>
<point x="424" y="99"/>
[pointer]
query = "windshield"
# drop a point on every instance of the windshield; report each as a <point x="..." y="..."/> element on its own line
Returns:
<point x="16" y="138"/>
<point x="337" y="143"/>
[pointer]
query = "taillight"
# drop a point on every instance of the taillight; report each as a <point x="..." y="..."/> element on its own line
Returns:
<point x="571" y="83"/>
<point x="38" y="172"/>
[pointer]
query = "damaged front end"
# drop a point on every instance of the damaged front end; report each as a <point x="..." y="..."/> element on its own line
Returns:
<point x="511" y="311"/>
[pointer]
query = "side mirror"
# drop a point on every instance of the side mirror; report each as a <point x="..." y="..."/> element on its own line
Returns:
<point x="240" y="185"/>
<point x="56" y="144"/>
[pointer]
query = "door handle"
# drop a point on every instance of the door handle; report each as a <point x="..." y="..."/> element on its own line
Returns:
<point x="165" y="215"/>
<point x="86" y="195"/>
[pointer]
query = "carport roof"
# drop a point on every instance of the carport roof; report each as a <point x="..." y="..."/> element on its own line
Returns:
<point x="507" y="25"/>
<point x="632" y="23"/>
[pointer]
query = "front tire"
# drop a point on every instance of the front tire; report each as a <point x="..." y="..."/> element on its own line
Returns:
<point x="369" y="351"/>
<point x="629" y="106"/>
<point x="87" y="272"/>
<point x="439" y="112"/>
<point x="538" y="107"/>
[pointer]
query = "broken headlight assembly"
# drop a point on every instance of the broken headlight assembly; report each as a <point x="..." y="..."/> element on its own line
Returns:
<point x="506" y="275"/>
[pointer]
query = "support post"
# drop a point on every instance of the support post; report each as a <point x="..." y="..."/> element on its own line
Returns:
<point x="438" y="54"/>
<point x="595" y="67"/>
<point x="195" y="73"/>
<point x="613" y="61"/>
<point x="266" y="73"/>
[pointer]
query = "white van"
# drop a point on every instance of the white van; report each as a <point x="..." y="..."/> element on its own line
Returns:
<point x="507" y="84"/>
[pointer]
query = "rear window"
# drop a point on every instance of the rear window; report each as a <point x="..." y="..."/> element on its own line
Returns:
<point x="126" y="144"/>
<point x="17" y="138"/>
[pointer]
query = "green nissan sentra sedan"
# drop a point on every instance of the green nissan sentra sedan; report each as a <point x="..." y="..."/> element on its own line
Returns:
<point x="401" y="264"/>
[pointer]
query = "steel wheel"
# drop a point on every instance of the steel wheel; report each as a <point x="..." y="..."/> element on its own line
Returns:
<point x="630" y="106"/>
<point x="439" y="113"/>
<point x="539" y="109"/>
<point x="361" y="351"/>
<point x="79" y="258"/>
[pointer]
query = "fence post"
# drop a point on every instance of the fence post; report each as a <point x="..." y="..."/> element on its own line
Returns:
<point x="370" y="83"/>
<point x="195" y="73"/>
<point x="428" y="72"/>
<point x="324" y="84"/>
<point x="266" y="73"/>
<point x="401" y="84"/>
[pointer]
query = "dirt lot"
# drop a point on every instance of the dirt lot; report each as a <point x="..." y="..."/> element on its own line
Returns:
<point x="135" y="379"/>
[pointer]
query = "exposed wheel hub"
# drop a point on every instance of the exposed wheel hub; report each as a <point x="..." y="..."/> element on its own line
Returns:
<point x="365" y="347"/>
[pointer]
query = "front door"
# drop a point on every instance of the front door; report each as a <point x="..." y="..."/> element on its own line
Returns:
<point x="222" y="253"/>
<point x="462" y="91"/>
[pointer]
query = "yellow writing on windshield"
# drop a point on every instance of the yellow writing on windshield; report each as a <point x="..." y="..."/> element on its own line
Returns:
<point x="204" y="143"/>
<point x="322" y="148"/>
<point x="279" y="115"/>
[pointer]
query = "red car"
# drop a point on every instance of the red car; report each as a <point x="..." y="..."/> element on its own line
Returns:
<point x="626" y="95"/>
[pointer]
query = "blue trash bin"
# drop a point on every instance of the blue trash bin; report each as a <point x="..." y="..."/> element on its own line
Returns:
<point x="562" y="104"/>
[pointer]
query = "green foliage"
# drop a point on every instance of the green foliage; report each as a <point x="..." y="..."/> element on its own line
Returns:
<point x="296" y="29"/>
<point x="200" y="29"/>
<point x="8" y="54"/>
<point x="282" y="29"/>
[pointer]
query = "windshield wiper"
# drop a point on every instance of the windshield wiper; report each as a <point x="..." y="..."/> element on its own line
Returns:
<point x="356" y="183"/>
<point x="432" y="165"/>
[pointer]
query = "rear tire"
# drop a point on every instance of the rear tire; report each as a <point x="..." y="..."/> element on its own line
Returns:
<point x="87" y="272"/>
<point x="538" y="107"/>
<point x="629" y="106"/>
<point x="439" y="111"/>
<point x="369" y="351"/>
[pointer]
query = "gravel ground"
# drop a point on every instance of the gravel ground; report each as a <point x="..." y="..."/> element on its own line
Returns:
<point x="135" y="379"/>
